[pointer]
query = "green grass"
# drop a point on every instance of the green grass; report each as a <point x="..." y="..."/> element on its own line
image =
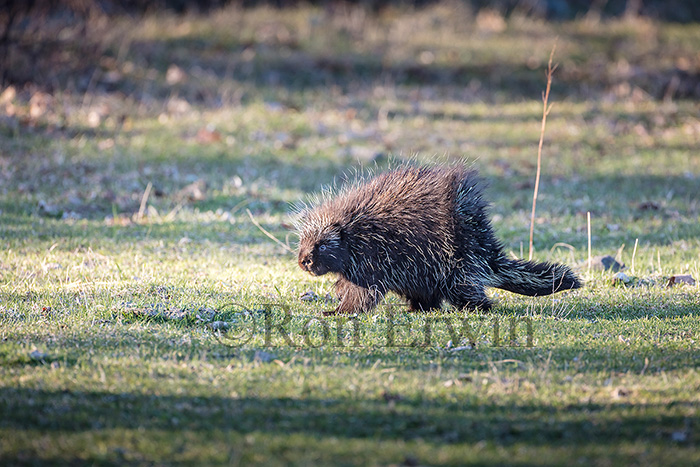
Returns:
<point x="109" y="349"/>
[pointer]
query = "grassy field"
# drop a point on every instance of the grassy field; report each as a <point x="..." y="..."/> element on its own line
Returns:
<point x="145" y="319"/>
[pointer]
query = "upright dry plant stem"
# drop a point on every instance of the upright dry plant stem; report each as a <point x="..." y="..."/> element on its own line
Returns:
<point x="545" y="111"/>
<point x="144" y="200"/>
<point x="588" y="222"/>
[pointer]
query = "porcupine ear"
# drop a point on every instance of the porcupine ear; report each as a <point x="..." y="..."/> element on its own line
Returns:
<point x="341" y="232"/>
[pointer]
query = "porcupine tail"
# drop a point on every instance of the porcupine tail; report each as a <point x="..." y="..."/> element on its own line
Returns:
<point x="534" y="279"/>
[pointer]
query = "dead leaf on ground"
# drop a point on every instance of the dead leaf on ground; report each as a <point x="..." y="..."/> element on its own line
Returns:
<point x="490" y="21"/>
<point x="178" y="106"/>
<point x="8" y="95"/>
<point x="105" y="144"/>
<point x="121" y="220"/>
<point x="680" y="279"/>
<point x="39" y="104"/>
<point x="649" y="206"/>
<point x="621" y="392"/>
<point x="208" y="135"/>
<point x="391" y="396"/>
<point x="195" y="191"/>
<point x="175" y="75"/>
<point x="604" y="263"/>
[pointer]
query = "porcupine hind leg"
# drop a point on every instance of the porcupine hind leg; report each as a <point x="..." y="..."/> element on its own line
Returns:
<point x="470" y="297"/>
<point x="355" y="299"/>
<point x="424" y="303"/>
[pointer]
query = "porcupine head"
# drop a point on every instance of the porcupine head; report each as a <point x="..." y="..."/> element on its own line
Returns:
<point x="322" y="247"/>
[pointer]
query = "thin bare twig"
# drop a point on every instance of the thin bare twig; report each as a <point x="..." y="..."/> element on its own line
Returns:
<point x="272" y="237"/>
<point x="545" y="111"/>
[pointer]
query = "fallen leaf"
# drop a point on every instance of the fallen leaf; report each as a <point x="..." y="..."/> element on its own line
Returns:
<point x="195" y="191"/>
<point x="621" y="392"/>
<point x="121" y="220"/>
<point x="177" y="105"/>
<point x="680" y="279"/>
<point x="490" y="21"/>
<point x="208" y="135"/>
<point x="39" y="104"/>
<point x="94" y="119"/>
<point x="391" y="396"/>
<point x="105" y="144"/>
<point x="649" y="206"/>
<point x="175" y="75"/>
<point x="8" y="95"/>
<point x="604" y="263"/>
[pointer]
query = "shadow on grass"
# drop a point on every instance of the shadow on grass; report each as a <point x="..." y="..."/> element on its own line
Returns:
<point x="428" y="420"/>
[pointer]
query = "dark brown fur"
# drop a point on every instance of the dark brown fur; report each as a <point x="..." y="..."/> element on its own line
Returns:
<point x="423" y="233"/>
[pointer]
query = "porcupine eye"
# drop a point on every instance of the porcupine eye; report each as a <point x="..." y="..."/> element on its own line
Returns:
<point x="326" y="258"/>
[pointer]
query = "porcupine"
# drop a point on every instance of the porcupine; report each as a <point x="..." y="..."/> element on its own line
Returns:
<point x="423" y="233"/>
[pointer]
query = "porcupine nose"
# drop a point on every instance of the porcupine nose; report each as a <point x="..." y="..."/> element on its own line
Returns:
<point x="306" y="263"/>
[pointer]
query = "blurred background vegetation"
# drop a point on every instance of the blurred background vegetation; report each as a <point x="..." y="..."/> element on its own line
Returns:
<point x="60" y="43"/>
<point x="119" y="95"/>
